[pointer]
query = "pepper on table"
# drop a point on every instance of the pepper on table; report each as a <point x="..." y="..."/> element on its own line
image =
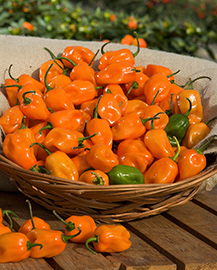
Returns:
<point x="4" y="228"/>
<point x="110" y="238"/>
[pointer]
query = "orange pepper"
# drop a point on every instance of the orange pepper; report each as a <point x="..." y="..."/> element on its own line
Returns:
<point x="84" y="72"/>
<point x="3" y="228"/>
<point x="136" y="160"/>
<point x="101" y="157"/>
<point x="16" y="147"/>
<point x="94" y="177"/>
<point x="12" y="119"/>
<point x="70" y="119"/>
<point x="26" y="88"/>
<point x="77" y="54"/>
<point x="182" y="105"/>
<point x="109" y="109"/>
<point x="196" y="133"/>
<point x="54" y="72"/>
<point x="136" y="88"/>
<point x="160" y="122"/>
<point x="34" y="107"/>
<point x="89" y="106"/>
<point x="15" y="247"/>
<point x="11" y="88"/>
<point x="116" y="73"/>
<point x="70" y="142"/>
<point x="157" y="142"/>
<point x="122" y="55"/>
<point x="136" y="105"/>
<point x="81" y="163"/>
<point x="163" y="170"/>
<point x="110" y="238"/>
<point x="79" y="91"/>
<point x="152" y="69"/>
<point x="59" y="164"/>
<point x="129" y="126"/>
<point x="86" y="224"/>
<point x="127" y="40"/>
<point x="101" y="128"/>
<point x="118" y="93"/>
<point x="158" y="83"/>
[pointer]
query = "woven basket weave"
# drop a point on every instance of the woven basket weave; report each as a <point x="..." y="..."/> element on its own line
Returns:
<point x="118" y="203"/>
<point x="109" y="203"/>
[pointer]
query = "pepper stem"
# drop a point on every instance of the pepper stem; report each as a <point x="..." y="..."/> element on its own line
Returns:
<point x="190" y="107"/>
<point x="138" y="46"/>
<point x="59" y="58"/>
<point x="153" y="118"/>
<point x="81" y="139"/>
<point x="30" y="245"/>
<point x="103" y="46"/>
<point x="69" y="225"/>
<point x="94" y="239"/>
<point x="189" y="84"/>
<point x="95" y="115"/>
<point x="42" y="146"/>
<point x="93" y="58"/>
<point x="152" y="103"/>
<point x="27" y="100"/>
<point x="98" y="180"/>
<point x="48" y="88"/>
<point x="176" y="72"/>
<point x="9" y="72"/>
<point x="174" y="158"/>
<point x="7" y="212"/>
<point x="65" y="238"/>
<point x="209" y="121"/>
<point x="31" y="215"/>
<point x="48" y="126"/>
<point x="202" y="148"/>
<point x="134" y="85"/>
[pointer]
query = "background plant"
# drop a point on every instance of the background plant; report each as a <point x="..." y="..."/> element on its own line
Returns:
<point x="169" y="25"/>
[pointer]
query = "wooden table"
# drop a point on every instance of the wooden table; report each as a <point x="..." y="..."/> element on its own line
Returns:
<point x="183" y="238"/>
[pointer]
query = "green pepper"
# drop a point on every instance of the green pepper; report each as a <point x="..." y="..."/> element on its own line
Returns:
<point x="177" y="126"/>
<point x="125" y="175"/>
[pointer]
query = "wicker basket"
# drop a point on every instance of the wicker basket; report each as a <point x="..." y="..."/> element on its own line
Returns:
<point x="104" y="203"/>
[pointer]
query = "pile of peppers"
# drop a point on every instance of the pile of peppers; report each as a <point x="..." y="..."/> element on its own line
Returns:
<point x="36" y="239"/>
<point x="115" y="124"/>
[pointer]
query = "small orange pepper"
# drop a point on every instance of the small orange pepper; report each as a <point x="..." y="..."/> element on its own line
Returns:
<point x="81" y="163"/>
<point x="152" y="69"/>
<point x="94" y="177"/>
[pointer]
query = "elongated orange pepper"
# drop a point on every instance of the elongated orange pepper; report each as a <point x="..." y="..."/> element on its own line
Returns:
<point x="55" y="97"/>
<point x="94" y="177"/>
<point x="129" y="126"/>
<point x="85" y="223"/>
<point x="116" y="73"/>
<point x="59" y="164"/>
<point x="79" y="91"/>
<point x="157" y="142"/>
<point x="70" y="142"/>
<point x="101" y="157"/>
<point x="77" y="54"/>
<point x="109" y="109"/>
<point x="118" y="93"/>
<point x="196" y="133"/>
<point x="157" y="83"/>
<point x="122" y="55"/>
<point x="12" y="119"/>
<point x="16" y="147"/>
<point x="101" y="128"/>
<point x="182" y="104"/>
<point x="110" y="238"/>
<point x="15" y="247"/>
<point x="34" y="107"/>
<point x="163" y="170"/>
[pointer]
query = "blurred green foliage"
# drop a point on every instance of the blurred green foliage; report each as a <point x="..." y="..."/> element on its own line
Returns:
<point x="168" y="25"/>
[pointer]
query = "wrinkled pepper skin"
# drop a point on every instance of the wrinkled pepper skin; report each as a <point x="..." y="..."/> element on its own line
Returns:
<point x="38" y="222"/>
<point x="125" y="175"/>
<point x="110" y="238"/>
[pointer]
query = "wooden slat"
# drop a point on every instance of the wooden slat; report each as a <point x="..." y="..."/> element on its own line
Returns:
<point x="207" y="199"/>
<point x="181" y="247"/>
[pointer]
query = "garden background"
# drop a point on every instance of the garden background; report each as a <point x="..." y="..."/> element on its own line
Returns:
<point x="179" y="26"/>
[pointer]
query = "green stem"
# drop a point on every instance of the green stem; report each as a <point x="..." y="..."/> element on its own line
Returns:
<point x="30" y="245"/>
<point x="95" y="115"/>
<point x="7" y="212"/>
<point x="31" y="215"/>
<point x="138" y="46"/>
<point x="190" y="107"/>
<point x="153" y="118"/>
<point x="48" y="126"/>
<point x="176" y="72"/>
<point x="93" y="58"/>
<point x="48" y="88"/>
<point x="42" y="146"/>
<point x="103" y="46"/>
<point x="9" y="72"/>
<point x="65" y="238"/>
<point x="94" y="239"/>
<point x="134" y="85"/>
<point x="174" y="158"/>
<point x="152" y="103"/>
<point x="69" y="225"/>
<point x="209" y="121"/>
<point x="81" y="139"/>
<point x="202" y="148"/>
<point x="59" y="58"/>
<point x="98" y="180"/>
<point x="27" y="100"/>
<point x="189" y="84"/>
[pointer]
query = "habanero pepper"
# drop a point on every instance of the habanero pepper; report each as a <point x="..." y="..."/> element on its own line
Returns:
<point x="94" y="177"/>
<point x="86" y="224"/>
<point x="152" y="69"/>
<point x="81" y="163"/>
<point x="34" y="107"/>
<point x="33" y="222"/>
<point x="122" y="55"/>
<point x="26" y="88"/>
<point x="136" y="105"/>
<point x="11" y="88"/>
<point x="15" y="247"/>
<point x="192" y="161"/>
<point x="196" y="133"/>
<point x="110" y="238"/>
<point x="12" y="119"/>
<point x="163" y="170"/>
<point x="156" y="83"/>
<point x="59" y="164"/>
<point x="178" y="125"/>
<point x="77" y="54"/>
<point x="136" y="87"/>
<point x="101" y="127"/>
<point x="6" y="213"/>
<point x="101" y="157"/>
<point x="16" y="148"/>
<point x="116" y="73"/>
